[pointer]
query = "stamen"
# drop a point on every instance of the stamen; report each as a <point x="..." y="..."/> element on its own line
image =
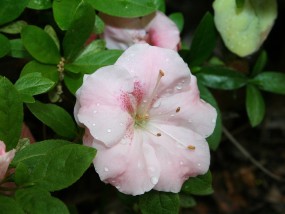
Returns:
<point x="178" y="110"/>
<point x="191" y="147"/>
<point x="153" y="94"/>
<point x="158" y="134"/>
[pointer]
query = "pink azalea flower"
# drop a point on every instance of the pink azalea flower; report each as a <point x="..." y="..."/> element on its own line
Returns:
<point x="5" y="159"/>
<point x="155" y="29"/>
<point x="145" y="118"/>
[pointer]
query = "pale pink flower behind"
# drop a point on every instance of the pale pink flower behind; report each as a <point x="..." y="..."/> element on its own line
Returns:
<point x="145" y="118"/>
<point x="155" y="29"/>
<point x="5" y="159"/>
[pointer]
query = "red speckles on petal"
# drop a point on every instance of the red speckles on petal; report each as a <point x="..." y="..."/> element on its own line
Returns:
<point x="126" y="102"/>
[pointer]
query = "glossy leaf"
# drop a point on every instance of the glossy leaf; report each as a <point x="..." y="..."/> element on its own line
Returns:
<point x="11" y="114"/>
<point x="40" y="45"/>
<point x="35" y="153"/>
<point x="73" y="81"/>
<point x="14" y="27"/>
<point x="18" y="50"/>
<point x="47" y="71"/>
<point x="34" y="201"/>
<point x="55" y="117"/>
<point x="204" y="41"/>
<point x="215" y="138"/>
<point x="270" y="81"/>
<point x="260" y="63"/>
<point x="5" y="45"/>
<point x="33" y="84"/>
<point x="51" y="32"/>
<point x="64" y="11"/>
<point x="125" y="8"/>
<point x="255" y="106"/>
<point x="221" y="78"/>
<point x="200" y="185"/>
<point x="9" y="206"/>
<point x="11" y="9"/>
<point x="62" y="166"/>
<point x="79" y="31"/>
<point x="159" y="203"/>
<point x="40" y="4"/>
<point x="178" y="19"/>
<point x="99" y="25"/>
<point x="91" y="61"/>
<point x="160" y="5"/>
<point x="22" y="174"/>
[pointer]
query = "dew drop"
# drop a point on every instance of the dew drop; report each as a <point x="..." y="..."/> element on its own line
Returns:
<point x="93" y="124"/>
<point x="199" y="164"/>
<point x="156" y="104"/>
<point x="98" y="104"/>
<point x="94" y="111"/>
<point x="172" y="115"/>
<point x="106" y="169"/>
<point x="179" y="87"/>
<point x="181" y="163"/>
<point x="154" y="180"/>
<point x="109" y="130"/>
<point x="118" y="187"/>
<point x="144" y="101"/>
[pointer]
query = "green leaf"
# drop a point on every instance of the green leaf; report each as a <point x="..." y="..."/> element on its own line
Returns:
<point x="204" y="41"/>
<point x="187" y="201"/>
<point x="51" y="32"/>
<point x="55" y="117"/>
<point x="159" y="203"/>
<point x="11" y="9"/>
<point x="47" y="71"/>
<point x="33" y="84"/>
<point x="14" y="27"/>
<point x="5" y="45"/>
<point x="270" y="81"/>
<point x="240" y="4"/>
<point x="73" y="81"/>
<point x="35" y="201"/>
<point x="18" y="50"/>
<point x="79" y="31"/>
<point x="39" y="4"/>
<point x="260" y="63"/>
<point x="22" y="174"/>
<point x="125" y="8"/>
<point x="178" y="19"/>
<point x="64" y="12"/>
<point x="255" y="106"/>
<point x="9" y="206"/>
<point x="215" y="138"/>
<point x="62" y="166"/>
<point x="221" y="78"/>
<point x="99" y="25"/>
<point x="40" y="45"/>
<point x="35" y="153"/>
<point x="11" y="114"/>
<point x="200" y="185"/>
<point x="91" y="61"/>
<point x="160" y="5"/>
<point x="94" y="47"/>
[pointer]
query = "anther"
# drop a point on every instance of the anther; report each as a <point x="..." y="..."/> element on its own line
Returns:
<point x="191" y="147"/>
<point x="178" y="110"/>
<point x="161" y="73"/>
<point x="158" y="134"/>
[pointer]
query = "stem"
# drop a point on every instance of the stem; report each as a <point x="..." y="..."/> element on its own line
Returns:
<point x="249" y="156"/>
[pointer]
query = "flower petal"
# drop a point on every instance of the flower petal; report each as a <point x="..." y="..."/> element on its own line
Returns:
<point x="144" y="63"/>
<point x="185" y="109"/>
<point x="181" y="154"/>
<point x="130" y="166"/>
<point x="5" y="159"/>
<point x="163" y="32"/>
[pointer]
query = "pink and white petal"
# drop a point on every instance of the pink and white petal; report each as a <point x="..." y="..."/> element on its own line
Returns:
<point x="144" y="63"/>
<point x="185" y="109"/>
<point x="107" y="124"/>
<point x="177" y="161"/>
<point x="104" y="86"/>
<point x="5" y="160"/>
<point x="163" y="32"/>
<point x="2" y="148"/>
<point x="132" y="167"/>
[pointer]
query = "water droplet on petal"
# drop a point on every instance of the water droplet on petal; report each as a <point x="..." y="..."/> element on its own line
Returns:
<point x="154" y="180"/>
<point x="93" y="124"/>
<point x="179" y="87"/>
<point x="106" y="169"/>
<point x="94" y="111"/>
<point x="181" y="163"/>
<point x="98" y="104"/>
<point x="144" y="101"/>
<point x="121" y="124"/>
<point x="118" y="187"/>
<point x="172" y="115"/>
<point x="156" y="104"/>
<point x="109" y="130"/>
<point x="199" y="164"/>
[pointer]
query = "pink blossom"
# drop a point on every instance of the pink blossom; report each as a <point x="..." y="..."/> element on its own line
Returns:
<point x="145" y="118"/>
<point x="155" y="29"/>
<point x="5" y="159"/>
